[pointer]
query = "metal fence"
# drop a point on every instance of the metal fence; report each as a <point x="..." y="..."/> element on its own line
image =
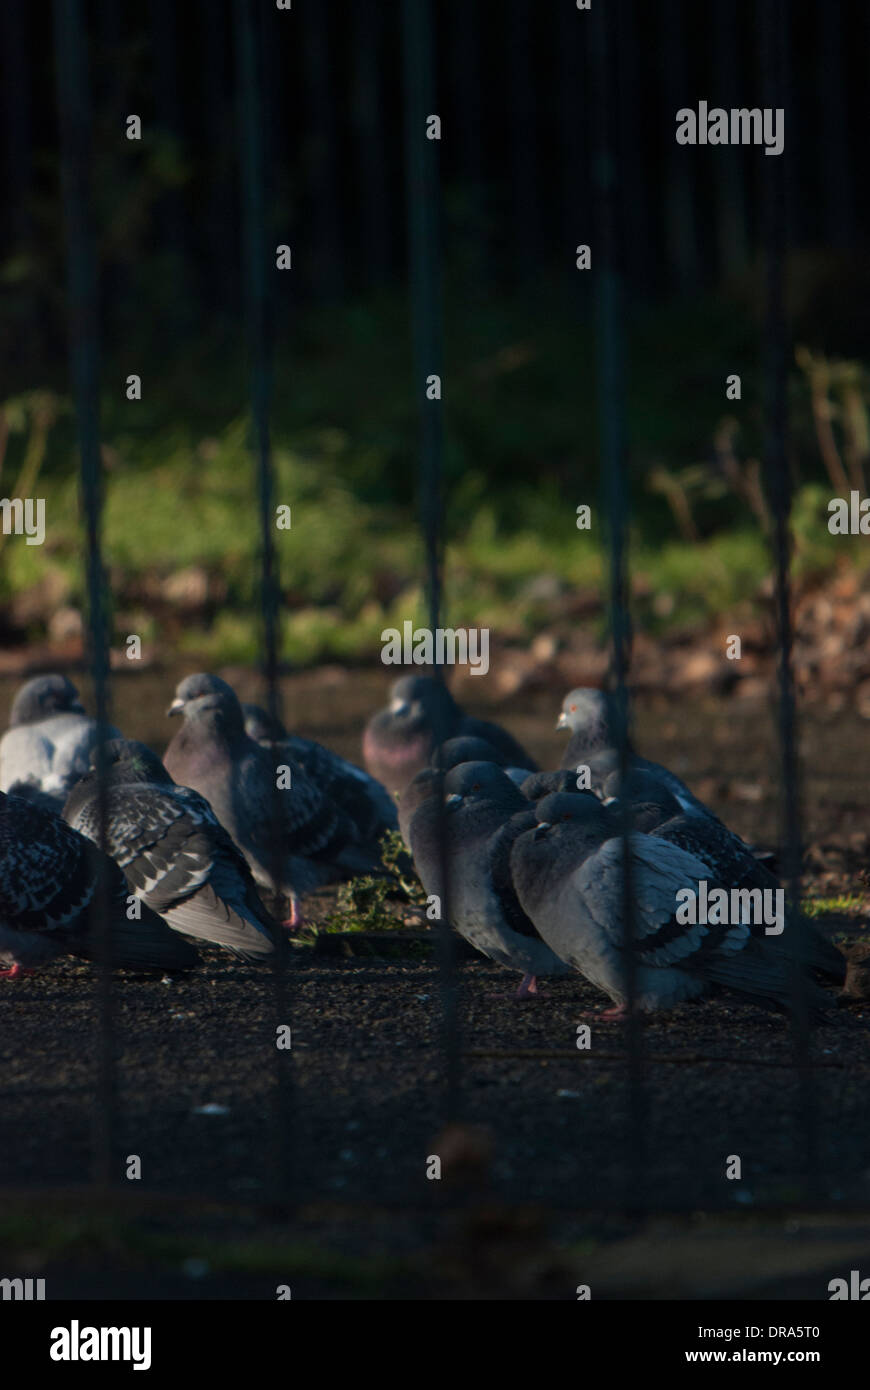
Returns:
<point x="371" y="74"/>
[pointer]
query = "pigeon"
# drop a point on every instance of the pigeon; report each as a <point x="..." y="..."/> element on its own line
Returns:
<point x="482" y="816"/>
<point x="568" y="876"/>
<point x="455" y="751"/>
<point x="293" y="837"/>
<point x="584" y="712"/>
<point x="48" y="744"/>
<point x="654" y="810"/>
<point x="536" y="785"/>
<point x="261" y="726"/>
<point x="49" y="877"/>
<point x="424" y="785"/>
<point x="398" y="741"/>
<point x="466" y="749"/>
<point x="365" y="800"/>
<point x="471" y="749"/>
<point x="175" y="854"/>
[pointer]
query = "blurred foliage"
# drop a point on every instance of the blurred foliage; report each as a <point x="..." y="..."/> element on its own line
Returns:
<point x="521" y="454"/>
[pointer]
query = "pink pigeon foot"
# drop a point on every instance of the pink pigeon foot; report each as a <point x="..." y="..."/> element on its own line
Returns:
<point x="620" y="1011"/>
<point x="528" y="987"/>
<point x="14" y="971"/>
<point x="295" y="921"/>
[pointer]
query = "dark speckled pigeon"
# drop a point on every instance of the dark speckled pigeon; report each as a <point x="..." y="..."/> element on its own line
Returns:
<point x="398" y="741"/>
<point x="294" y="838"/>
<point x="48" y="744"/>
<point x="568" y="875"/>
<point x="176" y="855"/>
<point x="367" y="803"/>
<point x="483" y="814"/>
<point x="49" y="877"/>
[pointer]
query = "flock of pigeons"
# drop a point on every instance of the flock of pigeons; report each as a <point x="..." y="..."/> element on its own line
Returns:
<point x="185" y="845"/>
<point x="528" y="866"/>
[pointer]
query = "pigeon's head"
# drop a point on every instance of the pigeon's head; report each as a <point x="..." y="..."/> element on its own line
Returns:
<point x="582" y="811"/>
<point x="641" y="788"/>
<point x="416" y="697"/>
<point x="260" y="726"/>
<point x="585" y="711"/>
<point x="203" y="698"/>
<point x="126" y="760"/>
<point x="479" y="782"/>
<point x="42" y="697"/>
<point x="466" y="749"/>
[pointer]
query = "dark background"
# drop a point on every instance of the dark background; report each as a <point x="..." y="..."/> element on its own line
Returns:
<point x="513" y="82"/>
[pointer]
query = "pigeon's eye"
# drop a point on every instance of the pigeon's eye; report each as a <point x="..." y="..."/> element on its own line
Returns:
<point x="573" y="709"/>
<point x="476" y="787"/>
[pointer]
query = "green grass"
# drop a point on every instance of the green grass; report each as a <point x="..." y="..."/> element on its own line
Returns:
<point x="350" y="570"/>
<point x="847" y="904"/>
<point x="520" y="455"/>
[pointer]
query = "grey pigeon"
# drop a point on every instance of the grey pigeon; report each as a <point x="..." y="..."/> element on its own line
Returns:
<point x="466" y="749"/>
<point x="483" y="814"/>
<point x="362" y="798"/>
<point x="421" y="715"/>
<point x="48" y="744"/>
<point x="469" y="748"/>
<point x="568" y="876"/>
<point x="176" y="855"/>
<point x="49" y="877"/>
<point x="654" y="810"/>
<point x="536" y="785"/>
<point x="294" y="838"/>
<point x="424" y="785"/>
<point x="584" y="713"/>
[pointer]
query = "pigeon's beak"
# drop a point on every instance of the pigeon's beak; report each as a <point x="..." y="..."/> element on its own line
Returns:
<point x="562" y="721"/>
<point x="176" y="707"/>
<point x="541" y="829"/>
<point x="453" y="800"/>
<point x="399" y="707"/>
<point x="77" y="707"/>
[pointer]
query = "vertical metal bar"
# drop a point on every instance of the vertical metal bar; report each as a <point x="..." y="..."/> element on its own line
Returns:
<point x="610" y="351"/>
<point x="256" y="256"/>
<point x="469" y="108"/>
<point x="635" y="165"/>
<point x="74" y="117"/>
<point x="423" y="207"/>
<point x="525" y="191"/>
<point x="368" y="96"/>
<point x="326" y="254"/>
<point x="217" y="289"/>
<point x="779" y="489"/>
<point x="170" y="211"/>
<point x="730" y="182"/>
<point x="679" y="211"/>
<point x="575" y="201"/>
